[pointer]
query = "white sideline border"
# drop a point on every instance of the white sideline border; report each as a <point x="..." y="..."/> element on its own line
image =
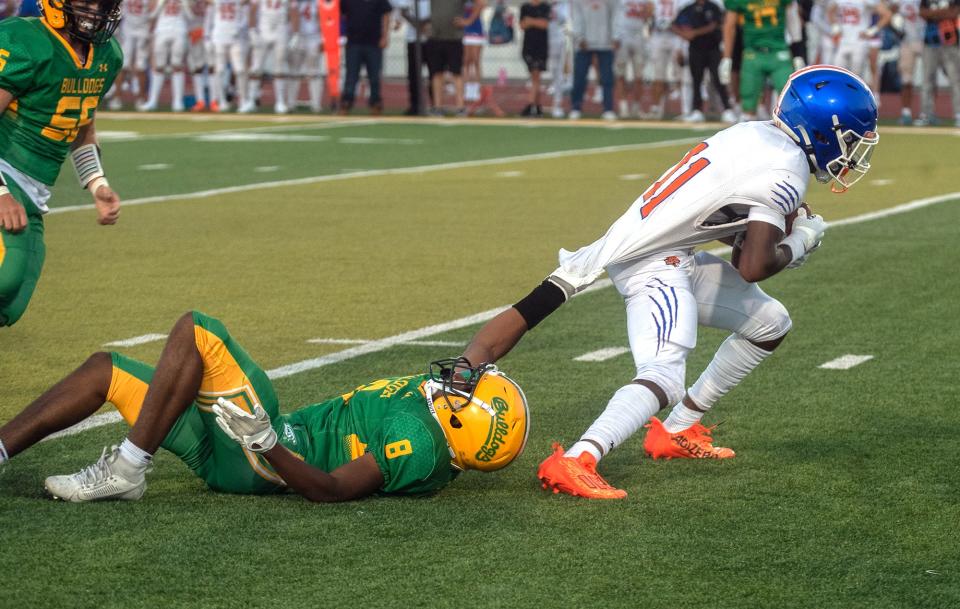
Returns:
<point x="420" y="333"/>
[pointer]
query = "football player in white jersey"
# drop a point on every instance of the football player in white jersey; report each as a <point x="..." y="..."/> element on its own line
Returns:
<point x="854" y="30"/>
<point x="557" y="59"/>
<point x="135" y="43"/>
<point x="663" y="50"/>
<point x="306" y="57"/>
<point x="229" y="38"/>
<point x="906" y="19"/>
<point x="739" y="186"/>
<point x="271" y="22"/>
<point x="198" y="61"/>
<point x="169" y="51"/>
<point x="631" y="28"/>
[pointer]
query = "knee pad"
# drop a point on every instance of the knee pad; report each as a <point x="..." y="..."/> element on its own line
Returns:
<point x="770" y="322"/>
<point x="669" y="376"/>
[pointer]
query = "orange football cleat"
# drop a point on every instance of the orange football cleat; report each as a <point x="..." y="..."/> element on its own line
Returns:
<point x="200" y="106"/>
<point x="693" y="443"/>
<point x="577" y="477"/>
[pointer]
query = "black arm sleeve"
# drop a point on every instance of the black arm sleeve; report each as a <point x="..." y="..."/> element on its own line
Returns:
<point x="541" y="302"/>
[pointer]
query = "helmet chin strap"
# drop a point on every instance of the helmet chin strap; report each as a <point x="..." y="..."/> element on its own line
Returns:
<point x="807" y="147"/>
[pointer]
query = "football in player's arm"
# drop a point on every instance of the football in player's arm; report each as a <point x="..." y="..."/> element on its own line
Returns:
<point x="741" y="186"/>
<point x="54" y="70"/>
<point x="212" y="406"/>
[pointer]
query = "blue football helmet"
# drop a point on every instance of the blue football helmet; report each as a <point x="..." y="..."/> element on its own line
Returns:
<point x="832" y="114"/>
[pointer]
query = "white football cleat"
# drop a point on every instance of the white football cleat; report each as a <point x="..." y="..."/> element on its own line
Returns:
<point x="111" y="477"/>
<point x="557" y="112"/>
<point x="247" y="107"/>
<point x="609" y="115"/>
<point x="729" y="116"/>
<point x="694" y="117"/>
<point x="280" y="108"/>
<point x="574" y="115"/>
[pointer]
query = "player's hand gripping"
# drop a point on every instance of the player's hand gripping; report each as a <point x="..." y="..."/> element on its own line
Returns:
<point x="253" y="431"/>
<point x="805" y="236"/>
<point x="13" y="217"/>
<point x="107" y="203"/>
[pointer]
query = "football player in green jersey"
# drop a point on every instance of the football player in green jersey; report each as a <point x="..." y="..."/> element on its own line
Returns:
<point x="212" y="406"/>
<point x="766" y="54"/>
<point x="53" y="72"/>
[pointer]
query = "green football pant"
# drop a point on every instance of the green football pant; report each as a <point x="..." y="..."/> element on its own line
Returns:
<point x="21" y="259"/>
<point x="196" y="438"/>
<point x="757" y="67"/>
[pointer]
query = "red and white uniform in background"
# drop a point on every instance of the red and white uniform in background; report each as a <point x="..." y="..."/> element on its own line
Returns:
<point x="200" y="25"/>
<point x="818" y="32"/>
<point x="135" y="34"/>
<point x="169" y="51"/>
<point x="270" y="39"/>
<point x="854" y="17"/>
<point x="270" y="36"/>
<point x="911" y="47"/>
<point x="664" y="44"/>
<point x="632" y="29"/>
<point x="306" y="56"/>
<point x="170" y="34"/>
<point x="229" y="37"/>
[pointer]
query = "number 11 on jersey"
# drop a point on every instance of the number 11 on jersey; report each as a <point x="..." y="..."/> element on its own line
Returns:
<point x="661" y="189"/>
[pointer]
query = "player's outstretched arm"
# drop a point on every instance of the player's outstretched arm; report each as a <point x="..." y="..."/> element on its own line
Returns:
<point x="86" y="161"/>
<point x="13" y="217"/>
<point x="500" y="334"/>
<point x="496" y="337"/>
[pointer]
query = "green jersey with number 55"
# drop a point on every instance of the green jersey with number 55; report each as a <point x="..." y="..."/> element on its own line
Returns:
<point x="54" y="94"/>
<point x="764" y="23"/>
<point x="388" y="418"/>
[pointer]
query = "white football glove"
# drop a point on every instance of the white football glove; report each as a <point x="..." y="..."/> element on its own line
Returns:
<point x="724" y="70"/>
<point x="253" y="431"/>
<point x="293" y="43"/>
<point x="805" y="236"/>
<point x="570" y="283"/>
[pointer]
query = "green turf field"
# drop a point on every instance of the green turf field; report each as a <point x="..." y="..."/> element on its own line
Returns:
<point x="844" y="492"/>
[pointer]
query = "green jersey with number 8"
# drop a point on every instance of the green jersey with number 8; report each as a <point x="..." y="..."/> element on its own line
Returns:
<point x="388" y="418"/>
<point x="54" y="94"/>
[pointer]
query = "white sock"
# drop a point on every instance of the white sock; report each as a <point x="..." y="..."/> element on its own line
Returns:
<point x="198" y="81"/>
<point x="177" y="79"/>
<point x="279" y="90"/>
<point x="629" y="408"/>
<point x="316" y="93"/>
<point x="682" y="418"/>
<point x="734" y="360"/>
<point x="242" y="88"/>
<point x="134" y="454"/>
<point x="156" y="83"/>
<point x="581" y="447"/>
<point x="3" y="453"/>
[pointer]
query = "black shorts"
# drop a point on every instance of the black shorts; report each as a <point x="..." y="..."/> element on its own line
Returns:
<point x="445" y="56"/>
<point x="535" y="62"/>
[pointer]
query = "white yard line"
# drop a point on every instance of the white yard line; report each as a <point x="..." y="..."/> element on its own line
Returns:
<point x="602" y="355"/>
<point x="421" y="333"/>
<point x="355" y="341"/>
<point x="845" y="362"/>
<point x="136" y="340"/>
<point x="213" y="192"/>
